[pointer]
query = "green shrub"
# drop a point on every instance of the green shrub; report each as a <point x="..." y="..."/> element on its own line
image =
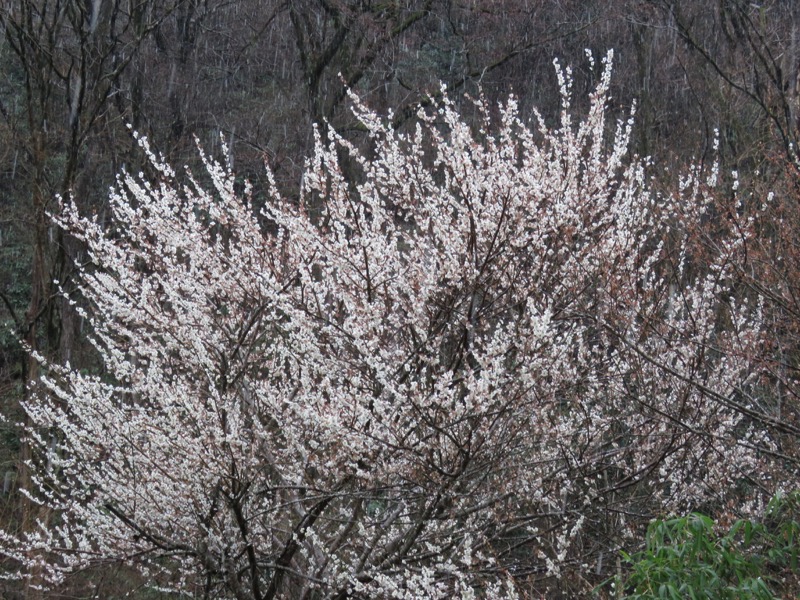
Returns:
<point x="689" y="557"/>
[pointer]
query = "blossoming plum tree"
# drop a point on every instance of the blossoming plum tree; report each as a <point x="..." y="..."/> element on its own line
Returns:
<point x="468" y="363"/>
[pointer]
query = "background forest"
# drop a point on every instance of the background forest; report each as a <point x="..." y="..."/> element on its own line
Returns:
<point x="715" y="81"/>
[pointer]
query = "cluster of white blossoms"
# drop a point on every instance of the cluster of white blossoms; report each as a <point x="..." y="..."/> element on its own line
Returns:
<point x="462" y="361"/>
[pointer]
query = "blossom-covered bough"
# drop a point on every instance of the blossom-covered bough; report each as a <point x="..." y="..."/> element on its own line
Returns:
<point x="479" y="360"/>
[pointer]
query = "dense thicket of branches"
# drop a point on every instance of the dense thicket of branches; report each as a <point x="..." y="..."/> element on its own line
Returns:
<point x="75" y="74"/>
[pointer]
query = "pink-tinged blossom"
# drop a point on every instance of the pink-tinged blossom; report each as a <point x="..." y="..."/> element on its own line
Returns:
<point x="457" y="364"/>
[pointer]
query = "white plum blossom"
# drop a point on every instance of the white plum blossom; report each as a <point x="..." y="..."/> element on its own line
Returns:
<point x="457" y="364"/>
